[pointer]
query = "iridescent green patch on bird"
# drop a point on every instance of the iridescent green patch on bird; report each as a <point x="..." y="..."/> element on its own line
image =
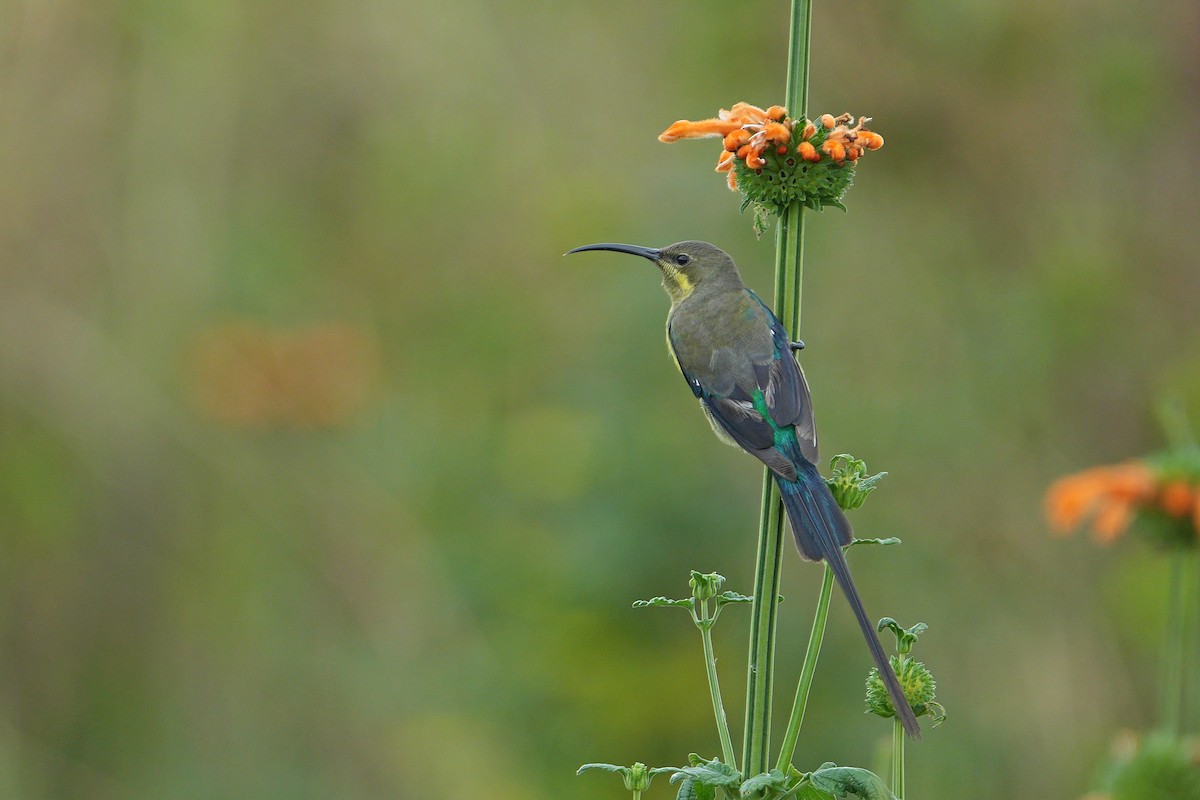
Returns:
<point x="784" y="435"/>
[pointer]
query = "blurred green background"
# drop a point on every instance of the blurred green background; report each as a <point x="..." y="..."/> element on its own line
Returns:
<point x="323" y="475"/>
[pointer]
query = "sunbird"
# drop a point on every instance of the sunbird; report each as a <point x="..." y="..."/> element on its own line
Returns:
<point x="737" y="358"/>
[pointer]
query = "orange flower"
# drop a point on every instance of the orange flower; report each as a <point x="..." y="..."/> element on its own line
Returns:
<point x="835" y="150"/>
<point x="726" y="122"/>
<point x="737" y="139"/>
<point x="870" y="140"/>
<point x="778" y="159"/>
<point x="847" y="141"/>
<point x="1108" y="495"/>
<point x="1176" y="498"/>
<point x="1112" y="496"/>
<point x="777" y="133"/>
<point x="1196" y="510"/>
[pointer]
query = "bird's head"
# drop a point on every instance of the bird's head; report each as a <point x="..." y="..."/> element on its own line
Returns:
<point x="685" y="266"/>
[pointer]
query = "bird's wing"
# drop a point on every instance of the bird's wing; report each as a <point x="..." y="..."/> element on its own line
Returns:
<point x="756" y="372"/>
<point x="784" y="388"/>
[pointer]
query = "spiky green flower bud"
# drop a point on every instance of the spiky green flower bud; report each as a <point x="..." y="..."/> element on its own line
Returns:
<point x="850" y="482"/>
<point x="919" y="687"/>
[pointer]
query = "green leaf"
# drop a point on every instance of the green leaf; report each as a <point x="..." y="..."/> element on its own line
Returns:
<point x="713" y="773"/>
<point x="663" y="601"/>
<point x="731" y="597"/>
<point x="850" y="783"/>
<point x="889" y="540"/>
<point x="693" y="790"/>
<point x="810" y="792"/>
<point x="766" y="780"/>
<point x="626" y="773"/>
<point x="604" y="767"/>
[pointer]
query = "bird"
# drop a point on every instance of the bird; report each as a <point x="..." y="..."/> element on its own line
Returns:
<point x="737" y="358"/>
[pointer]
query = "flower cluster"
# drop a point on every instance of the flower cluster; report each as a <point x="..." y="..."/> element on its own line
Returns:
<point x="774" y="160"/>
<point x="1164" y="491"/>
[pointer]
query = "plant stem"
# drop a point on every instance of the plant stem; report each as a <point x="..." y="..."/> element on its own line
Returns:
<point x="788" y="273"/>
<point x="898" y="758"/>
<point x="806" y="673"/>
<point x="1191" y="622"/>
<point x="1175" y="425"/>
<point x="762" y="632"/>
<point x="1175" y="649"/>
<point x="898" y="737"/>
<point x="714" y="688"/>
<point x="1180" y="645"/>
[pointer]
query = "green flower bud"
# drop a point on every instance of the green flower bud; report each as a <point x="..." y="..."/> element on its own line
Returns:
<point x="850" y="482"/>
<point x="905" y="639"/>
<point x="919" y="689"/>
<point x="637" y="779"/>
<point x="705" y="586"/>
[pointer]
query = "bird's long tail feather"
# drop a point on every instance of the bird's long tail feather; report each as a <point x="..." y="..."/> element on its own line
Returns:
<point x="821" y="530"/>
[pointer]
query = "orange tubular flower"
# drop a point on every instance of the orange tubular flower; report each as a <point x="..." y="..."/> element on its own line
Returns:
<point x="777" y="133"/>
<point x="835" y="149"/>
<point x="736" y="139"/>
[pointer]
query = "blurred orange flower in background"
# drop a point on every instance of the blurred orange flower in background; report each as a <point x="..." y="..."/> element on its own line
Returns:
<point x="1112" y="497"/>
<point x="249" y="374"/>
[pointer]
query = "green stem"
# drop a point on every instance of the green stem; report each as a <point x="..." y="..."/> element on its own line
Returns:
<point x="788" y="275"/>
<point x="1191" y="628"/>
<point x="1180" y="690"/>
<point x="714" y="688"/>
<point x="898" y="737"/>
<point x="762" y="632"/>
<point x="1175" y="649"/>
<point x="1175" y="424"/>
<point x="806" y="673"/>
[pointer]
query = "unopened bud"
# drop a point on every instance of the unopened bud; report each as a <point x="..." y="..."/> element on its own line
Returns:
<point x="638" y="777"/>
<point x="850" y="482"/>
<point x="705" y="586"/>
<point x="918" y="685"/>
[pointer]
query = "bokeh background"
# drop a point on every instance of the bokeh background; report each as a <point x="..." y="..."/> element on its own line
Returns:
<point x="323" y="475"/>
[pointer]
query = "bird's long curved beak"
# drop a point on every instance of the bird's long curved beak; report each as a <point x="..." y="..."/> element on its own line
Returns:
<point x="631" y="249"/>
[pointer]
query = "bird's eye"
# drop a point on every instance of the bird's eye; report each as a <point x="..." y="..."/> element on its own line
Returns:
<point x="683" y="259"/>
